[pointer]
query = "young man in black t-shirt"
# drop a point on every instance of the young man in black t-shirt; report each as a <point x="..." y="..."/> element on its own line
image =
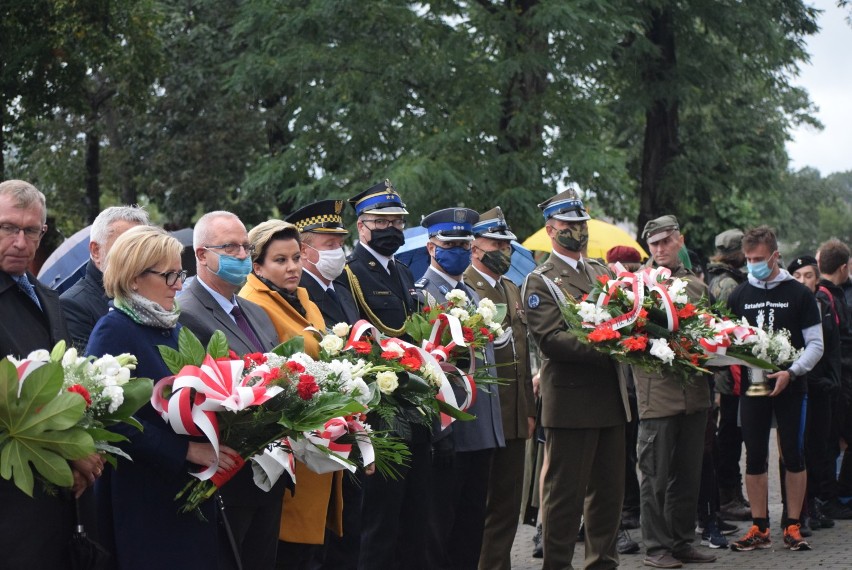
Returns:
<point x="773" y="300"/>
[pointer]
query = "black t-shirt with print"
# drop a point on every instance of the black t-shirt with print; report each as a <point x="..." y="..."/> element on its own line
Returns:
<point x="789" y="305"/>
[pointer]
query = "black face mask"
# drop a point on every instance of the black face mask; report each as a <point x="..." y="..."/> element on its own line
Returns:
<point x="497" y="261"/>
<point x="386" y="241"/>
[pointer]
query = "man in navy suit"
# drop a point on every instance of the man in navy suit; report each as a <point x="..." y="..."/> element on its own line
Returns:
<point x="208" y="304"/>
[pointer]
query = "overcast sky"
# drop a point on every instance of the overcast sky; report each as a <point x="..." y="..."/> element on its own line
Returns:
<point x="828" y="79"/>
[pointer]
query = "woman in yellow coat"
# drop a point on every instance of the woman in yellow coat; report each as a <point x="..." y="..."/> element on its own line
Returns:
<point x="274" y="285"/>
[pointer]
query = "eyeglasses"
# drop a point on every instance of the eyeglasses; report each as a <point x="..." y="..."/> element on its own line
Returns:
<point x="11" y="230"/>
<point x="466" y="245"/>
<point x="171" y="277"/>
<point x="233" y="248"/>
<point x="384" y="223"/>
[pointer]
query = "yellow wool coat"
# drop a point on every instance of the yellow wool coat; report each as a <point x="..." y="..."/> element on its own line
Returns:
<point x="319" y="500"/>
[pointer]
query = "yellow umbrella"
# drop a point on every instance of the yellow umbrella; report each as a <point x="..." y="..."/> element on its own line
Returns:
<point x="602" y="237"/>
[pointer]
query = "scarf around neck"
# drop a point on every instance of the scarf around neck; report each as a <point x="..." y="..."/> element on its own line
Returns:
<point x="144" y="311"/>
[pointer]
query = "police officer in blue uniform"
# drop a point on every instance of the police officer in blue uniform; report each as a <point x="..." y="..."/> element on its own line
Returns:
<point x="461" y="453"/>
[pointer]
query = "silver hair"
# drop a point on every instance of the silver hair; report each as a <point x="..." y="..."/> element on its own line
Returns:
<point x="102" y="226"/>
<point x="25" y="195"/>
<point x="201" y="231"/>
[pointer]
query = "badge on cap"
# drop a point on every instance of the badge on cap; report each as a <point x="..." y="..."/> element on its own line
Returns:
<point x="533" y="301"/>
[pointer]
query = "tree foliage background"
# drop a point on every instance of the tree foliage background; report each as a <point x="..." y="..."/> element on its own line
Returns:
<point x="261" y="106"/>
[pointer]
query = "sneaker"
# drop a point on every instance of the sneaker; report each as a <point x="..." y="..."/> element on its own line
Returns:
<point x="538" y="547"/>
<point x="712" y="537"/>
<point x="735" y="510"/>
<point x="754" y="539"/>
<point x="819" y="518"/>
<point x="629" y="520"/>
<point x="692" y="556"/>
<point x="625" y="544"/>
<point x="726" y="528"/>
<point x="793" y="539"/>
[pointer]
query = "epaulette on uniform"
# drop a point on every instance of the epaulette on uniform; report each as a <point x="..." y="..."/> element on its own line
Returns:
<point x="595" y="261"/>
<point x="542" y="268"/>
<point x="350" y="258"/>
<point x="421" y="283"/>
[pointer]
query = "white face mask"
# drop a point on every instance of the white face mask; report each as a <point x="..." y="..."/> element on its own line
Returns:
<point x="330" y="263"/>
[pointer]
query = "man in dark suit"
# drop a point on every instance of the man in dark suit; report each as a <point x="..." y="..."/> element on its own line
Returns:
<point x="490" y="260"/>
<point x="584" y="401"/>
<point x="34" y="531"/>
<point x="323" y="233"/>
<point x="393" y="516"/>
<point x="85" y="302"/>
<point x="208" y="304"/>
<point x="462" y="452"/>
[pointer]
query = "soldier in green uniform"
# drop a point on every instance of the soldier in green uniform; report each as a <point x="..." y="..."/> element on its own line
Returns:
<point x="584" y="401"/>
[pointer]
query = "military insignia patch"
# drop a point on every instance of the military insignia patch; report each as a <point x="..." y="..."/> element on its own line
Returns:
<point x="459" y="215"/>
<point x="533" y="301"/>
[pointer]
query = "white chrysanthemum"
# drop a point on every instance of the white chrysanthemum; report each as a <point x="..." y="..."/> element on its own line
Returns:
<point x="456" y="297"/>
<point x="39" y="355"/>
<point x="387" y="381"/>
<point x="460" y="313"/>
<point x="301" y="358"/>
<point x="661" y="349"/>
<point x="488" y="304"/>
<point x="115" y="395"/>
<point x="332" y="344"/>
<point x="342" y="369"/>
<point x="341" y="330"/>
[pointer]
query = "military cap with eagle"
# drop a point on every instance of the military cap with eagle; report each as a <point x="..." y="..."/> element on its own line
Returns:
<point x="451" y="224"/>
<point x="565" y="206"/>
<point x="493" y="225"/>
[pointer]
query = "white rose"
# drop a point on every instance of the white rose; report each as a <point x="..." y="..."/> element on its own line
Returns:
<point x="430" y="375"/>
<point x="341" y="330"/>
<point x="332" y="344"/>
<point x="387" y="381"/>
<point x="660" y="348"/>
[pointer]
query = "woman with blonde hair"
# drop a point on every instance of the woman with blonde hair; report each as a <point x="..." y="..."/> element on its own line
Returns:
<point x="274" y="285"/>
<point x="136" y="501"/>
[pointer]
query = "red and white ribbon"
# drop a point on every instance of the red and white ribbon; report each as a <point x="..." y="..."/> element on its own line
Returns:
<point x="268" y="466"/>
<point x="199" y="392"/>
<point x="329" y="438"/>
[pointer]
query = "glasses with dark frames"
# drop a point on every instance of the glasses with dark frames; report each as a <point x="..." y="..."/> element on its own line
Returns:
<point x="171" y="277"/>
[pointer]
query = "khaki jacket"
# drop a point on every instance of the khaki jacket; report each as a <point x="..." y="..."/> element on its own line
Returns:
<point x="580" y="387"/>
<point x="661" y="395"/>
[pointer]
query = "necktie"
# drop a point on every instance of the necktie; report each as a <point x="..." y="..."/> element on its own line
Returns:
<point x="244" y="325"/>
<point x="499" y="287"/>
<point x="27" y="288"/>
<point x="333" y="296"/>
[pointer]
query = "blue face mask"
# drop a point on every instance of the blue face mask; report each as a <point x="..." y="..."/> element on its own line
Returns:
<point x="233" y="269"/>
<point x="759" y="270"/>
<point x="453" y="260"/>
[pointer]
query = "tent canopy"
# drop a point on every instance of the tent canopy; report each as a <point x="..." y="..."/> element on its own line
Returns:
<point x="602" y="238"/>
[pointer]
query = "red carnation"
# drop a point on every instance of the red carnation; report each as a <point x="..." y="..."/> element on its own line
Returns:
<point x="362" y="347"/>
<point x="468" y="334"/>
<point x="254" y="358"/>
<point x="602" y="334"/>
<point x="78" y="389"/>
<point x="635" y="343"/>
<point x="307" y="386"/>
<point x="686" y="311"/>
<point x="233" y="355"/>
<point x="603" y="279"/>
<point x="295" y="367"/>
<point x="427" y="309"/>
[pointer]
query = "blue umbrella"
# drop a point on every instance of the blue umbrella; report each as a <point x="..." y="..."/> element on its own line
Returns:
<point x="67" y="263"/>
<point x="413" y="254"/>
